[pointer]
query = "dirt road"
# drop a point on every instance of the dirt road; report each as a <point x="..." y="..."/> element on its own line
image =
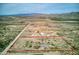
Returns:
<point x="41" y="37"/>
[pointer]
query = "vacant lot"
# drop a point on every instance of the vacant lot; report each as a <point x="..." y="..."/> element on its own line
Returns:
<point x="41" y="36"/>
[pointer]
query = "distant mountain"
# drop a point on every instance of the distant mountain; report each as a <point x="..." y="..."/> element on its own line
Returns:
<point x="64" y="16"/>
<point x="26" y="14"/>
<point x="29" y="14"/>
<point x="72" y="15"/>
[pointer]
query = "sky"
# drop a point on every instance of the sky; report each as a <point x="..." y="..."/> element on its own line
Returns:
<point x="44" y="8"/>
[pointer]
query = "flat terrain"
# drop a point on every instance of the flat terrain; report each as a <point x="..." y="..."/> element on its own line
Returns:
<point x="45" y="37"/>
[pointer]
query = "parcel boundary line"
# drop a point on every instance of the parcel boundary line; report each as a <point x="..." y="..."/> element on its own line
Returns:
<point x="11" y="44"/>
<point x="7" y="48"/>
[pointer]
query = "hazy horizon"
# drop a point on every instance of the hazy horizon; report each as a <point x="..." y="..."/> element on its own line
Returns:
<point x="42" y="8"/>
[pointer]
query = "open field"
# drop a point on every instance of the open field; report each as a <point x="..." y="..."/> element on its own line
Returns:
<point x="40" y="36"/>
<point x="8" y="32"/>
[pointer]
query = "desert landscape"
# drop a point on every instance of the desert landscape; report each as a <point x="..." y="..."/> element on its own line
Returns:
<point x="40" y="34"/>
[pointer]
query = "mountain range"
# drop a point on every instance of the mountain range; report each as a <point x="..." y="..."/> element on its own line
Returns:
<point x="64" y="16"/>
